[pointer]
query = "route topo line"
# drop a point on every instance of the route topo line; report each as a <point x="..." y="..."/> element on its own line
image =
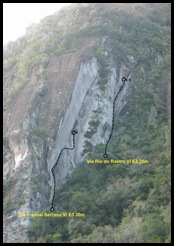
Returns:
<point x="74" y="132"/>
<point x="113" y="118"/>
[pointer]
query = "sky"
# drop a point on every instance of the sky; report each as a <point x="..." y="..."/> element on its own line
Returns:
<point x="17" y="16"/>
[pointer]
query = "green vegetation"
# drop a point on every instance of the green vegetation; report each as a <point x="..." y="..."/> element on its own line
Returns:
<point x="105" y="127"/>
<point x="104" y="71"/>
<point x="8" y="184"/>
<point x="89" y="133"/>
<point x="21" y="202"/>
<point x="8" y="206"/>
<point x="23" y="61"/>
<point x="153" y="229"/>
<point x="123" y="203"/>
<point x="92" y="129"/>
<point x="87" y="148"/>
<point x="39" y="132"/>
<point x="8" y="203"/>
<point x="94" y="123"/>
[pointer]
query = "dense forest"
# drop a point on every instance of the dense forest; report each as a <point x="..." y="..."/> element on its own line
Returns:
<point x="122" y="203"/>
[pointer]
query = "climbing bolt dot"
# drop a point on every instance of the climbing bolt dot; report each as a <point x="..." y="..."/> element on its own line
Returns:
<point x="74" y="132"/>
<point x="124" y="79"/>
<point x="105" y="155"/>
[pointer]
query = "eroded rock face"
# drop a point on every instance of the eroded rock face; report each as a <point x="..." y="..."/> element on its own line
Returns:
<point x="40" y="122"/>
<point x="19" y="147"/>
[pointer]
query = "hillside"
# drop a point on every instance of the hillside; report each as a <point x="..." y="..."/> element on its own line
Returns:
<point x="91" y="82"/>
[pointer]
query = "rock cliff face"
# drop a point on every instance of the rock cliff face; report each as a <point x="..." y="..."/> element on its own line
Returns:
<point x="40" y="122"/>
<point x="103" y="71"/>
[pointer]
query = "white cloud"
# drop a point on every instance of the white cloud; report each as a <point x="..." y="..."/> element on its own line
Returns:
<point x="17" y="16"/>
